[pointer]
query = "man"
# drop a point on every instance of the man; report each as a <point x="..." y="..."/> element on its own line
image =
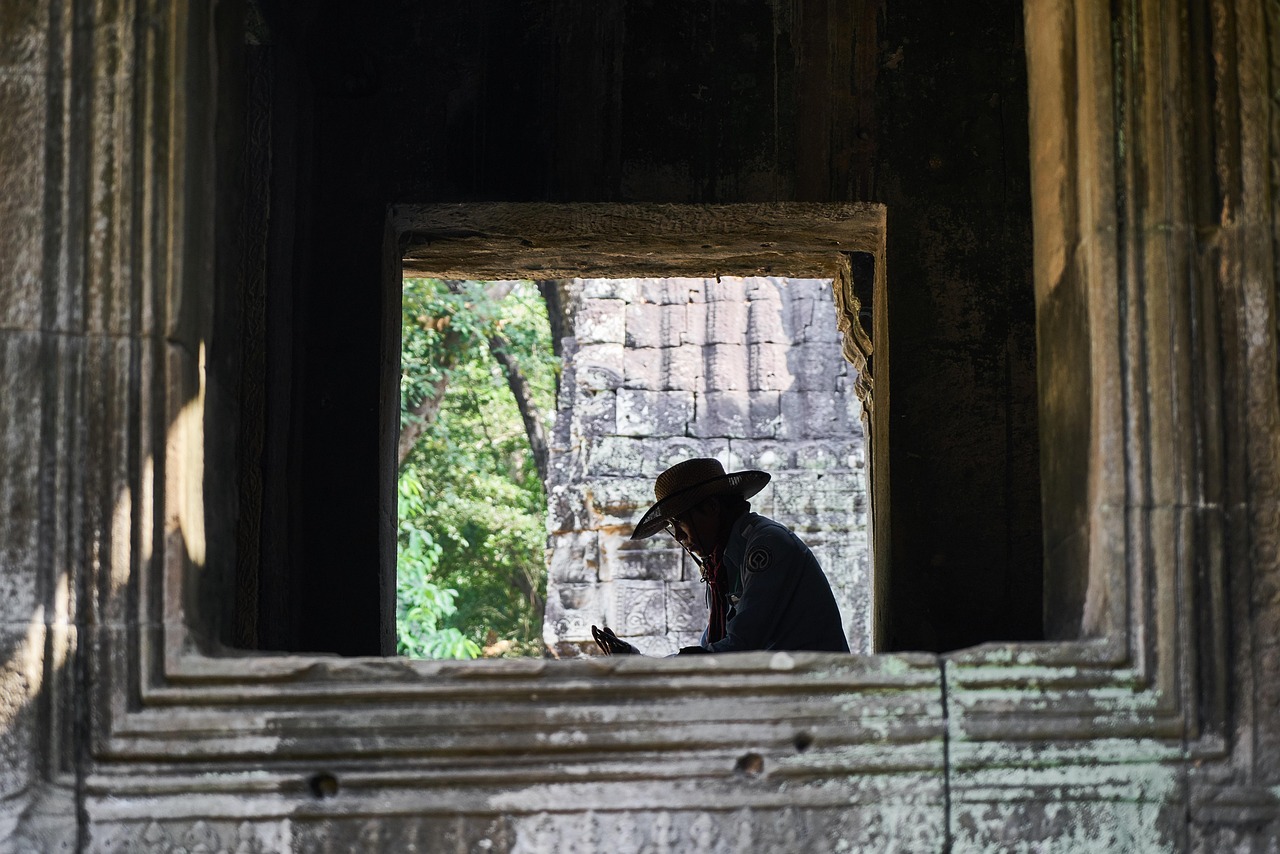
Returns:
<point x="765" y="588"/>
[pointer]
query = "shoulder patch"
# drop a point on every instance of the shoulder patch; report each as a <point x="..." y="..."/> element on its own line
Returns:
<point x="759" y="559"/>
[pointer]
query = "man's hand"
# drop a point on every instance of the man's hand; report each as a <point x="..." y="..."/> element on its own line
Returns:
<point x="611" y="644"/>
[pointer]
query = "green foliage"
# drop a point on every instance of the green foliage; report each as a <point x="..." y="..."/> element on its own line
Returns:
<point x="421" y="603"/>
<point x="477" y="532"/>
<point x="439" y="329"/>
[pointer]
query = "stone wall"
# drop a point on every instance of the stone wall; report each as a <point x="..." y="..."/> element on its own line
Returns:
<point x="125" y="727"/>
<point x="748" y="371"/>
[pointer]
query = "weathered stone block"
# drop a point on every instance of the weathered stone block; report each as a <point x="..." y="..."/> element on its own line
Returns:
<point x="727" y="322"/>
<point x="615" y="502"/>
<point x="655" y="325"/>
<point x="736" y="414"/>
<point x="725" y="289"/>
<point x="720" y="414"/>
<point x="833" y="455"/>
<point x="639" y="608"/>
<point x="763" y="288"/>
<point x="673" y="450"/>
<point x="572" y="609"/>
<point x="185" y="834"/>
<point x="817" y="367"/>
<point x="817" y="502"/>
<point x="576" y="597"/>
<point x="645" y="562"/>
<point x="769" y="368"/>
<point x="766" y="455"/>
<point x="566" y="508"/>
<point x="814" y="320"/>
<point x="694" y="332"/>
<point x="692" y="290"/>
<point x="726" y="367"/>
<point x="601" y="321"/>
<point x="764" y="413"/>
<point x="21" y="672"/>
<point x="674" y="318"/>
<point x="689" y="569"/>
<point x="767" y="322"/>
<point x="47" y="819"/>
<point x="683" y="369"/>
<point x="620" y="456"/>
<point x="799" y="315"/>
<point x="846" y="565"/>
<point x="595" y="413"/>
<point x="599" y="367"/>
<point x="670" y="291"/>
<point x="643" y="369"/>
<point x="21" y="180"/>
<point x="1044" y="822"/>
<point x="23" y="42"/>
<point x="645" y="458"/>
<point x="687" y="607"/>
<point x="816" y="415"/>
<point x="623" y="289"/>
<point x="792" y="409"/>
<point x="807" y="289"/>
<point x="644" y="326"/>
<point x="654" y="413"/>
<point x="22" y="375"/>
<point x="574" y="557"/>
<point x="568" y="359"/>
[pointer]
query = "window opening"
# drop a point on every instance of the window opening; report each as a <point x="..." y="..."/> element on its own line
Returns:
<point x="478" y="379"/>
<point x="747" y="370"/>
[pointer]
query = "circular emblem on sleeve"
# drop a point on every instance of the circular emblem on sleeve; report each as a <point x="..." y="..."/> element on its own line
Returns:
<point x="758" y="559"/>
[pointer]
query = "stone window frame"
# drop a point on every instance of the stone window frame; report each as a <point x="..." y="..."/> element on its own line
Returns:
<point x="491" y="241"/>
<point x="171" y="719"/>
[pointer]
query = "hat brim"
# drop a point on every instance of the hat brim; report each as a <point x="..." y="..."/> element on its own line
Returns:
<point x="743" y="483"/>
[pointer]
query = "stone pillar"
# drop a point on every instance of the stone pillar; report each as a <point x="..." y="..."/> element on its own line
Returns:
<point x="748" y="371"/>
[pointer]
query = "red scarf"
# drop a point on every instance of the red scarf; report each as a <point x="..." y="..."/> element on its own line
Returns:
<point x="718" y="592"/>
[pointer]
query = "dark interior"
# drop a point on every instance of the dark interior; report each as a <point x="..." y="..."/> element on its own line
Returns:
<point x="332" y="111"/>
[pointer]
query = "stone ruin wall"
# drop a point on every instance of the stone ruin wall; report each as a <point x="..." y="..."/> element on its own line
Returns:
<point x="748" y="371"/>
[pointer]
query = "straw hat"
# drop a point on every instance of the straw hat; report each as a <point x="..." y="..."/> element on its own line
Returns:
<point x="686" y="484"/>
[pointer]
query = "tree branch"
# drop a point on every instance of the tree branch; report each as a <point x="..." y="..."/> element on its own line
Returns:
<point x="557" y="318"/>
<point x="426" y="410"/>
<point x="423" y="414"/>
<point x="525" y="584"/>
<point x="529" y="413"/>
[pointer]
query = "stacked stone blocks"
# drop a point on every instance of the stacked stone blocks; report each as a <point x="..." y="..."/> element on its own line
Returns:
<point x="748" y="371"/>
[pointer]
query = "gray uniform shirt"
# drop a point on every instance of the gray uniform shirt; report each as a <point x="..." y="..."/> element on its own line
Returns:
<point x="779" y="597"/>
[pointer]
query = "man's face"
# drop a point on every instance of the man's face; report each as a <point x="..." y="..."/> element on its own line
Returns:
<point x="698" y="528"/>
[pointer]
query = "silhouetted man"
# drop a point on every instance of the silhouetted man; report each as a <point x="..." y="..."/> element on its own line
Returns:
<point x="765" y="588"/>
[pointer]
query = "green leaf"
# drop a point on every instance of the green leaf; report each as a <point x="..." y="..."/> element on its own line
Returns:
<point x="471" y="508"/>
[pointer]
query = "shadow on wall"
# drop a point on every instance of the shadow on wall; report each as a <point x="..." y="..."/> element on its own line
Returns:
<point x="66" y="604"/>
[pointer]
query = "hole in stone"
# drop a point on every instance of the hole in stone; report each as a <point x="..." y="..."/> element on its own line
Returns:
<point x="803" y="741"/>
<point x="749" y="765"/>
<point x="323" y="785"/>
